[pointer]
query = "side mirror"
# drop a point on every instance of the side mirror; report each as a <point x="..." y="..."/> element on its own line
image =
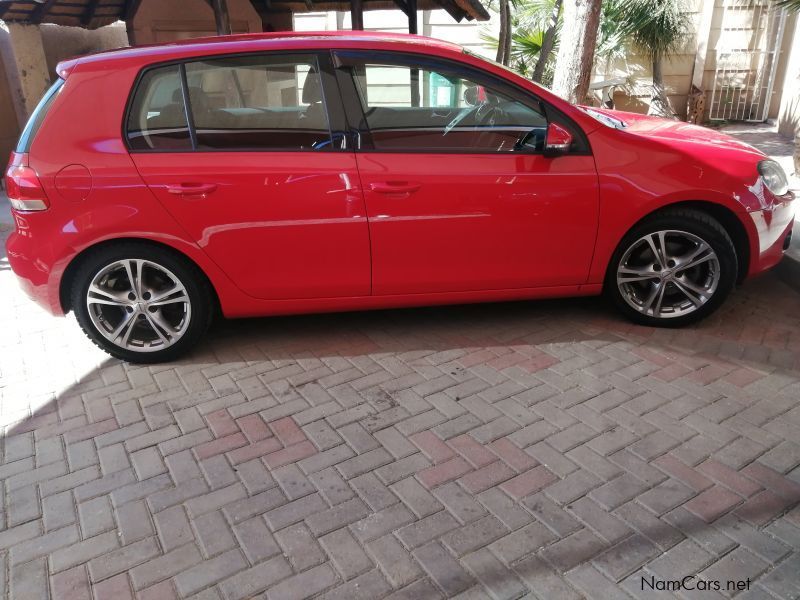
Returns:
<point x="558" y="140"/>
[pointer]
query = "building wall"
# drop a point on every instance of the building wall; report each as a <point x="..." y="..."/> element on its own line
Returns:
<point x="159" y="21"/>
<point x="61" y="43"/>
<point x="58" y="43"/>
<point x="9" y="127"/>
<point x="432" y="23"/>
<point x="678" y="69"/>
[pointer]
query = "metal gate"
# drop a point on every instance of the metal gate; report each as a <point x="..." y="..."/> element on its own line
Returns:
<point x="747" y="60"/>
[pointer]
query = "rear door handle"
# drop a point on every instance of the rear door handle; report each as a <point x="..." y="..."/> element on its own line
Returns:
<point x="192" y="189"/>
<point x="394" y="187"/>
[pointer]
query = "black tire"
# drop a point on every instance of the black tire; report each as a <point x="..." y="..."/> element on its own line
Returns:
<point x="201" y="298"/>
<point x="697" y="223"/>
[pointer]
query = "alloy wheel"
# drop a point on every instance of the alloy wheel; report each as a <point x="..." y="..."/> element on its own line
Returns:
<point x="138" y="305"/>
<point x="668" y="274"/>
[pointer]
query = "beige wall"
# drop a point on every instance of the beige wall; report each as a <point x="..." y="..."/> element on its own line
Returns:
<point x="636" y="68"/>
<point x="9" y="128"/>
<point x="56" y="43"/>
<point x="433" y="23"/>
<point x="160" y="21"/>
<point x="61" y="43"/>
<point x="679" y="68"/>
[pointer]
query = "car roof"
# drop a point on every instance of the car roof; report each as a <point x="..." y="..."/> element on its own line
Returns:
<point x="284" y="40"/>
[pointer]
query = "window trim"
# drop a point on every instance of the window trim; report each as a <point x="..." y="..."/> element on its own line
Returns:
<point x="344" y="59"/>
<point x="334" y="112"/>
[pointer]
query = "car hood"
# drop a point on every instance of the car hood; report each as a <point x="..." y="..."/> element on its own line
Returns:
<point x="678" y="133"/>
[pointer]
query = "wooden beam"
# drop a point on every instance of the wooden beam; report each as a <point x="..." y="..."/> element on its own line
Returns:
<point x="40" y="12"/>
<point x="131" y="8"/>
<point x="221" y="16"/>
<point x="453" y="10"/>
<point x="412" y="16"/>
<point x="357" y="15"/>
<point x="402" y="5"/>
<point x="87" y="15"/>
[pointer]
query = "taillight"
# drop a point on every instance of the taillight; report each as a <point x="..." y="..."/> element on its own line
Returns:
<point x="25" y="191"/>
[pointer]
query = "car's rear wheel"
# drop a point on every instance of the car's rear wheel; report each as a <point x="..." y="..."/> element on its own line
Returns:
<point x="141" y="303"/>
<point x="674" y="268"/>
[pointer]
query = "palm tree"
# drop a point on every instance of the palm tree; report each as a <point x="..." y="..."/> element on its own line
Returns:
<point x="657" y="28"/>
<point x="790" y="4"/>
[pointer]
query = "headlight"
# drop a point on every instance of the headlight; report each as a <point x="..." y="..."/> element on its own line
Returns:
<point x="774" y="177"/>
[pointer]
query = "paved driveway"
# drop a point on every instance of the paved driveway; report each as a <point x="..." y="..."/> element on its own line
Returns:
<point x="541" y="448"/>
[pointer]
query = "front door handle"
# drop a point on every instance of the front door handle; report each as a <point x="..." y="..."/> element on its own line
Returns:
<point x="192" y="189"/>
<point x="395" y="187"/>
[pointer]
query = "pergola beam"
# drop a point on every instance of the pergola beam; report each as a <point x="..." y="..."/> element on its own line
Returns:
<point x="87" y="15"/>
<point x="411" y="11"/>
<point x="131" y="8"/>
<point x="357" y="15"/>
<point x="41" y="11"/>
<point x="221" y="17"/>
<point x="95" y="13"/>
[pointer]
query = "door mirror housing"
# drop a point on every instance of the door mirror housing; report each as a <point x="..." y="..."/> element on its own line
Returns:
<point x="558" y="140"/>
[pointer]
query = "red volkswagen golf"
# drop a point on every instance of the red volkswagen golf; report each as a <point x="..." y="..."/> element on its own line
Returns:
<point x="290" y="173"/>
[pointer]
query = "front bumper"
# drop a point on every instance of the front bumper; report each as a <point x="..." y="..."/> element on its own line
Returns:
<point x="774" y="225"/>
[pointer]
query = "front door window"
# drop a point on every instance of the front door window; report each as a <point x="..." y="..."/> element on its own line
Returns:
<point x="419" y="109"/>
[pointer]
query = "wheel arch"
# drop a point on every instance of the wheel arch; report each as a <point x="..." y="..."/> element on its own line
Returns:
<point x="72" y="268"/>
<point x="726" y="217"/>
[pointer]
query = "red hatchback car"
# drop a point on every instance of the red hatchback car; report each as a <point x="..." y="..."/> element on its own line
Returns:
<point x="288" y="173"/>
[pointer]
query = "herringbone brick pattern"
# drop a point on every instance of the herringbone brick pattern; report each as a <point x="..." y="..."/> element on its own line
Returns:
<point x="544" y="449"/>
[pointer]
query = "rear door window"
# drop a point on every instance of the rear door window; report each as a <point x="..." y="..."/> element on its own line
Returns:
<point x="252" y="102"/>
<point x="157" y="119"/>
<point x="258" y="102"/>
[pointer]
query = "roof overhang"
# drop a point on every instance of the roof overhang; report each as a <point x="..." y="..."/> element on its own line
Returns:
<point x="91" y="14"/>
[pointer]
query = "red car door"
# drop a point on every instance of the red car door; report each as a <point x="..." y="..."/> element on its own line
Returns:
<point x="459" y="193"/>
<point x="257" y="178"/>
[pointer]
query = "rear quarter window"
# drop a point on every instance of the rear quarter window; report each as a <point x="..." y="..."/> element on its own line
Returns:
<point x="37" y="117"/>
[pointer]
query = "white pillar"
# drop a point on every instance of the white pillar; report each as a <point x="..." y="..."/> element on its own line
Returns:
<point x="789" y="117"/>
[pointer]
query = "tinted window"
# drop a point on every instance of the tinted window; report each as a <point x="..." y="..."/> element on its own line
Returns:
<point x="418" y="109"/>
<point x="37" y="117"/>
<point x="258" y="102"/>
<point x="157" y="120"/>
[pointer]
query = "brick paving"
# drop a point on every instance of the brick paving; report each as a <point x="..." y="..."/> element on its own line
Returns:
<point x="546" y="449"/>
<point x="542" y="449"/>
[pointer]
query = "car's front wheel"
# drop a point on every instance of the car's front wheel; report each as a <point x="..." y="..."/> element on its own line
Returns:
<point x="672" y="269"/>
<point x="141" y="303"/>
